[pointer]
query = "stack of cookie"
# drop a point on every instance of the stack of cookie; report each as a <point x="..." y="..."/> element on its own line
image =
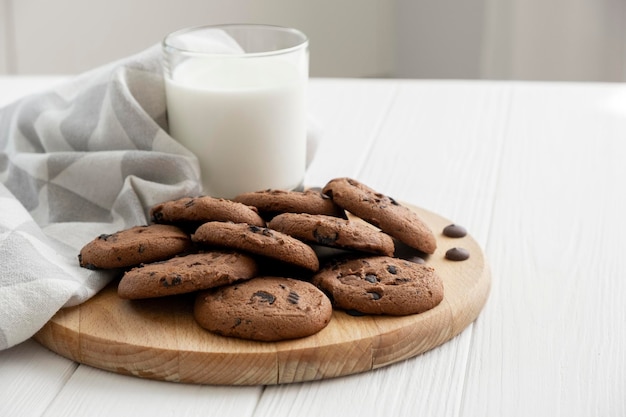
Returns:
<point x="258" y="265"/>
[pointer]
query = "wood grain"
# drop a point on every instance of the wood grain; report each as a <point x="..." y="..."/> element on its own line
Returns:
<point x="159" y="339"/>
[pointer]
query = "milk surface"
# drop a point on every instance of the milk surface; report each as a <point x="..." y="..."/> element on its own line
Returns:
<point x="244" y="119"/>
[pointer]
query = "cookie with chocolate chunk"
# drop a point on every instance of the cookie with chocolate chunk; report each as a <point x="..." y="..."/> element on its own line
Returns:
<point x="264" y="308"/>
<point x="184" y="274"/>
<point x="334" y="232"/>
<point x="258" y="240"/>
<point x="272" y="202"/>
<point x="130" y="247"/>
<point x="203" y="209"/>
<point x="382" y="211"/>
<point x="380" y="285"/>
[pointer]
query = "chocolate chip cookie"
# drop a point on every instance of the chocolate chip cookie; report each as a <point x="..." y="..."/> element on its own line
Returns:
<point x="264" y="308"/>
<point x="184" y="274"/>
<point x="130" y="247"/>
<point x="382" y="211"/>
<point x="334" y="232"/>
<point x="272" y="202"/>
<point x="258" y="240"/>
<point x="203" y="209"/>
<point x="380" y="285"/>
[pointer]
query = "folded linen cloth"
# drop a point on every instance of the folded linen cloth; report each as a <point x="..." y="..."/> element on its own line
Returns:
<point x="89" y="157"/>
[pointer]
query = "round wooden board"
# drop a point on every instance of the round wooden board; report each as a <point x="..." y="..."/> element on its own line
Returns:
<point x="159" y="338"/>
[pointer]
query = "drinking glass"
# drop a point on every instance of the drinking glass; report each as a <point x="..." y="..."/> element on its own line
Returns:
<point x="236" y="98"/>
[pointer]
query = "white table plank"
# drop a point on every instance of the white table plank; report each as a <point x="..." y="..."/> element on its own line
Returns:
<point x="349" y="114"/>
<point x="425" y="385"/>
<point x="551" y="340"/>
<point x="93" y="392"/>
<point x="31" y="376"/>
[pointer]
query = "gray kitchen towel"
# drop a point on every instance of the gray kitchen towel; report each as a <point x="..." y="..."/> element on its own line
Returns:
<point x="85" y="158"/>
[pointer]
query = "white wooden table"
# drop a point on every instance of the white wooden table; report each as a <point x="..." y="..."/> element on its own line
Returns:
<point x="535" y="171"/>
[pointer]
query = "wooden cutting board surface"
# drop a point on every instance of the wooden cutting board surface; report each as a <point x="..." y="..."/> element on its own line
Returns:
<point x="159" y="338"/>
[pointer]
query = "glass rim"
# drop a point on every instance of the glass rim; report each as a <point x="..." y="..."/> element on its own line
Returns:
<point x="303" y="40"/>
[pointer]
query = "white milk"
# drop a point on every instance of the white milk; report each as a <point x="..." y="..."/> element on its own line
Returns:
<point x="244" y="119"/>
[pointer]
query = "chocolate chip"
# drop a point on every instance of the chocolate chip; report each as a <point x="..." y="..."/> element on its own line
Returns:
<point x="293" y="297"/>
<point x="392" y="269"/>
<point x="264" y="297"/>
<point x="381" y="200"/>
<point x="371" y="278"/>
<point x="157" y="217"/>
<point x="263" y="230"/>
<point x="176" y="280"/>
<point x="86" y="265"/>
<point x="190" y="203"/>
<point x="457" y="254"/>
<point x="104" y="237"/>
<point x="374" y="295"/>
<point x="454" y="230"/>
<point x="393" y="201"/>
<point x="141" y="248"/>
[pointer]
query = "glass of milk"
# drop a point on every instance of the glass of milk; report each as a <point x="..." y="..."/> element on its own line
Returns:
<point x="236" y="98"/>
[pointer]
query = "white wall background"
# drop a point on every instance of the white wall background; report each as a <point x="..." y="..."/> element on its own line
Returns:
<point x="582" y="40"/>
<point x="555" y="40"/>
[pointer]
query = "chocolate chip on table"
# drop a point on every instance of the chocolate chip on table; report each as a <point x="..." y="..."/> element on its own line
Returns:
<point x="454" y="230"/>
<point x="457" y="254"/>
